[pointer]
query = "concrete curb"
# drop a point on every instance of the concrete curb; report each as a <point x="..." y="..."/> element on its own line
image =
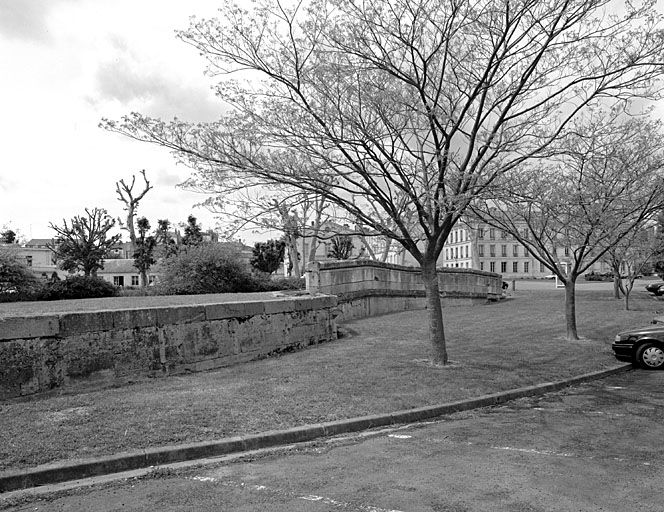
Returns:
<point x="62" y="472"/>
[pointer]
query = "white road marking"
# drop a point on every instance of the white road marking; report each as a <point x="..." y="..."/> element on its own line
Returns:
<point x="400" y="436"/>
<point x="308" y="497"/>
<point x="204" y="479"/>
<point x="530" y="450"/>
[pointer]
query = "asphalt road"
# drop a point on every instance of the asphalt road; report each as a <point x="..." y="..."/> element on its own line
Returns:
<point x="596" y="447"/>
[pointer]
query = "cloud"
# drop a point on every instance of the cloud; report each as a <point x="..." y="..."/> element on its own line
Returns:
<point x="6" y="184"/>
<point x="168" y="179"/>
<point x="27" y="20"/>
<point x="139" y="85"/>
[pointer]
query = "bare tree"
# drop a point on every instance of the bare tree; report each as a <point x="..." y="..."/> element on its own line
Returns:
<point x="605" y="183"/>
<point x="263" y="206"/>
<point x="431" y="100"/>
<point x="630" y="258"/>
<point x="126" y="195"/>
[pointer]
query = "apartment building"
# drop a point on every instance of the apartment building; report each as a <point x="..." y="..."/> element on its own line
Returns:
<point x="482" y="247"/>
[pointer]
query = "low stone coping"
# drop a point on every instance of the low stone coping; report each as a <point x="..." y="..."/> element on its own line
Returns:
<point x="63" y="324"/>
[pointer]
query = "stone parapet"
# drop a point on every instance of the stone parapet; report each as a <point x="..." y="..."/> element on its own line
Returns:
<point x="41" y="353"/>
<point x="366" y="287"/>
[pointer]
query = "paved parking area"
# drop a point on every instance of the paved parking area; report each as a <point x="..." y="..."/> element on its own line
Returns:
<point x="596" y="447"/>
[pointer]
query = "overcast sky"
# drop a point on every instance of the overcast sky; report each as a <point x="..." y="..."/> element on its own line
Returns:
<point x="65" y="64"/>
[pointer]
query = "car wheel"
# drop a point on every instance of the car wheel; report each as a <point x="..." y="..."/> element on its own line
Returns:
<point x="650" y="356"/>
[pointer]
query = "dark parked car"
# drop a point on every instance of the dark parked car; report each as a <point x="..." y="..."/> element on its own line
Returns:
<point x="644" y="346"/>
<point x="656" y="288"/>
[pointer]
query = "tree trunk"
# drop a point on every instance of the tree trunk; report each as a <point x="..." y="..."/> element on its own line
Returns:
<point x="144" y="278"/>
<point x="313" y="245"/>
<point x="570" y="309"/>
<point x="627" y="289"/>
<point x="367" y="247"/>
<point x="386" y="250"/>
<point x="292" y="255"/>
<point x="131" y="228"/>
<point x="435" y="309"/>
<point x="616" y="287"/>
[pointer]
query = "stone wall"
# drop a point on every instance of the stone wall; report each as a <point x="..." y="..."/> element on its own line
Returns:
<point x="40" y="353"/>
<point x="366" y="288"/>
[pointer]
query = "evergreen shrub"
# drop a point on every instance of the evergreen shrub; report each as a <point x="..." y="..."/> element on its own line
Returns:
<point x="207" y="268"/>
<point x="79" y="287"/>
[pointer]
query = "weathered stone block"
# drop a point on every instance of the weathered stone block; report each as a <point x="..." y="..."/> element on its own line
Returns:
<point x="134" y="318"/>
<point x="278" y="306"/>
<point x="181" y="314"/>
<point x="72" y="323"/>
<point x="29" y="327"/>
<point x="233" y="310"/>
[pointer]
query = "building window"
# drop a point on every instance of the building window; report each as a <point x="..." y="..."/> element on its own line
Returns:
<point x="456" y="253"/>
<point x="542" y="268"/>
<point x="134" y="280"/>
<point x="492" y="234"/>
<point x="515" y="251"/>
<point x="566" y="251"/>
<point x="480" y="233"/>
<point x="118" y="280"/>
<point x="492" y="251"/>
<point x="503" y="267"/>
<point x="524" y="234"/>
<point x="481" y="265"/>
<point x="526" y="264"/>
<point x="503" y="234"/>
<point x="151" y="280"/>
<point x="525" y="251"/>
<point x="515" y="266"/>
<point x="467" y="265"/>
<point x="447" y="254"/>
<point x="28" y="261"/>
<point x="467" y="252"/>
<point x="503" y="251"/>
<point x="492" y="266"/>
<point x="480" y="251"/>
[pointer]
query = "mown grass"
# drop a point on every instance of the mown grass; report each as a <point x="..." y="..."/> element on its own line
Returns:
<point x="380" y="367"/>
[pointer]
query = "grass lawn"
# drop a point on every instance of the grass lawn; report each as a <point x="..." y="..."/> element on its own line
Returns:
<point x="380" y="367"/>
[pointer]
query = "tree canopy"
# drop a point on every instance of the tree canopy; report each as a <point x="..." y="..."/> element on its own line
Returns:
<point x="402" y="112"/>
<point x="268" y="256"/>
<point x="144" y="252"/>
<point x="83" y="243"/>
<point x="8" y="236"/>
<point x="605" y="182"/>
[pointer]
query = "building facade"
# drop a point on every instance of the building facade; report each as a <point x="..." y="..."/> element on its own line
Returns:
<point x="483" y="247"/>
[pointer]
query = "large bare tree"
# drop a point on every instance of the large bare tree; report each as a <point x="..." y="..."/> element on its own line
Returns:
<point x="604" y="185"/>
<point x="428" y="100"/>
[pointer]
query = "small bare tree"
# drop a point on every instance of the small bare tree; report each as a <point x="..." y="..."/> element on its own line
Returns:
<point x="630" y="257"/>
<point x="126" y="195"/>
